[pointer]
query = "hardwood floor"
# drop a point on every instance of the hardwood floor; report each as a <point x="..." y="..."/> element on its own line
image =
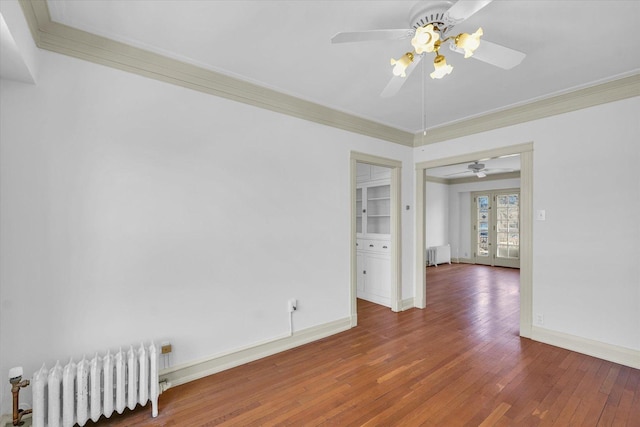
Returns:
<point x="458" y="362"/>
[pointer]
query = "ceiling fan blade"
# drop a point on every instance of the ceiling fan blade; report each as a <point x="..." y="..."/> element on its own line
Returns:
<point x="495" y="54"/>
<point x="463" y="9"/>
<point x="459" y="173"/>
<point x="363" y="36"/>
<point x="396" y="82"/>
<point x="499" y="170"/>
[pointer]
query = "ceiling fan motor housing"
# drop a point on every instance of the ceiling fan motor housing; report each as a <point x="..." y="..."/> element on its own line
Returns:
<point x="431" y="13"/>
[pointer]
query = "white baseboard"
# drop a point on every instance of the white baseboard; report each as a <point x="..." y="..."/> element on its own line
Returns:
<point x="6" y="420"/>
<point x="612" y="353"/>
<point x="464" y="260"/>
<point x="192" y="371"/>
<point x="406" y="304"/>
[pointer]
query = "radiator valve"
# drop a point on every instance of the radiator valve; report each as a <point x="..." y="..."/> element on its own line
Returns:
<point x="15" y="378"/>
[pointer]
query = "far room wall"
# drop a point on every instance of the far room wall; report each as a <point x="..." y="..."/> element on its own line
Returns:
<point x="437" y="213"/>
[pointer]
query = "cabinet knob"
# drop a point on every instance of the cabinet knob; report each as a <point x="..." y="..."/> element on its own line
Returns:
<point x="364" y="271"/>
<point x="384" y="247"/>
<point x="364" y="211"/>
<point x="370" y="246"/>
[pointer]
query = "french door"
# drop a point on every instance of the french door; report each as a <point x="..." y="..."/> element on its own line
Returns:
<point x="495" y="228"/>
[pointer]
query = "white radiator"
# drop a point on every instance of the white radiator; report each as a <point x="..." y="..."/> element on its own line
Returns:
<point x="73" y="394"/>
<point x="438" y="255"/>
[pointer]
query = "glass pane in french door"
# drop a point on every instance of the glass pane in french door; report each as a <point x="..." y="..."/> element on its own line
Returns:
<point x="482" y="226"/>
<point x="508" y="225"/>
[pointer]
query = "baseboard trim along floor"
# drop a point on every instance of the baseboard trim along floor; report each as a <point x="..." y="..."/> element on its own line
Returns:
<point x="185" y="373"/>
<point x="612" y="353"/>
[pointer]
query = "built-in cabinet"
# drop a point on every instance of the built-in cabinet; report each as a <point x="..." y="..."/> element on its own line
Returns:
<point x="373" y="232"/>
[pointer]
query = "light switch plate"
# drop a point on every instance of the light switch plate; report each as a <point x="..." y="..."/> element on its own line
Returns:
<point x="541" y="215"/>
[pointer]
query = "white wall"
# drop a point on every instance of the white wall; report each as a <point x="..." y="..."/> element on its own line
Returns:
<point x="586" y="274"/>
<point x="460" y="212"/>
<point x="134" y="210"/>
<point x="436" y="214"/>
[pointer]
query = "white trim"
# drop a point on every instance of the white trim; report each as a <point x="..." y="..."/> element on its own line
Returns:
<point x="613" y="353"/>
<point x="6" y="420"/>
<point x="182" y="374"/>
<point x="419" y="291"/>
<point x="526" y="220"/>
<point x="406" y="304"/>
<point x="526" y="241"/>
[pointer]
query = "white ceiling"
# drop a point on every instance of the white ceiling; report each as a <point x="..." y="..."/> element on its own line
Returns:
<point x="285" y="45"/>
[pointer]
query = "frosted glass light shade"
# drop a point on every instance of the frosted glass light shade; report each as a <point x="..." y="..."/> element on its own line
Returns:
<point x="469" y="42"/>
<point x="441" y="68"/>
<point x="401" y="64"/>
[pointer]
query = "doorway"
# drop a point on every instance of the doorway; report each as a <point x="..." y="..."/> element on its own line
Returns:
<point x="526" y="224"/>
<point x="382" y="220"/>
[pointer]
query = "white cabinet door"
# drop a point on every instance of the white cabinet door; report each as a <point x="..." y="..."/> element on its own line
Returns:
<point x="378" y="270"/>
<point x="373" y="210"/>
<point x="374" y="277"/>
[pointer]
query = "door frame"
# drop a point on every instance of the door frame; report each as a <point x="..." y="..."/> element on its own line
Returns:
<point x="526" y="223"/>
<point x="396" y="270"/>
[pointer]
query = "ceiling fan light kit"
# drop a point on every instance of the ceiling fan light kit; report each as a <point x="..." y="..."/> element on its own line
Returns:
<point x="431" y="23"/>
<point x="427" y="39"/>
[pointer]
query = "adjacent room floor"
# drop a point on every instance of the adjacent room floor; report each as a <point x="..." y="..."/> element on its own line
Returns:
<point x="458" y="362"/>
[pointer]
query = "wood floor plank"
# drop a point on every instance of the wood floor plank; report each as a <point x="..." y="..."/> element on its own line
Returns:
<point x="458" y="362"/>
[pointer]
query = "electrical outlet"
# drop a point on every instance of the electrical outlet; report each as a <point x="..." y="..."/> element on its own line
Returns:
<point x="292" y="305"/>
<point x="165" y="349"/>
<point x="539" y="319"/>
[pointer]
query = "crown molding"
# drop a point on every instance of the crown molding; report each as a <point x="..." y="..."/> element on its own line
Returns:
<point x="66" y="40"/>
<point x="59" y="38"/>
<point x="615" y="90"/>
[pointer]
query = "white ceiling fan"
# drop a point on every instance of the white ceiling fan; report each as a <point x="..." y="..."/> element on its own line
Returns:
<point x="479" y="170"/>
<point x="431" y="24"/>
